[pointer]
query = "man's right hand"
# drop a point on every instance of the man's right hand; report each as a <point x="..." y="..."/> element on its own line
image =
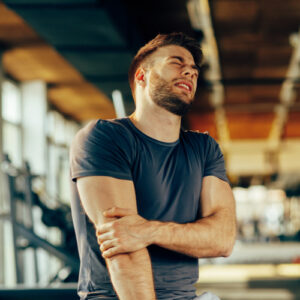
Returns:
<point x="128" y="233"/>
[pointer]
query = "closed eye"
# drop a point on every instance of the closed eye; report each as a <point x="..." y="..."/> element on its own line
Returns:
<point x="175" y="63"/>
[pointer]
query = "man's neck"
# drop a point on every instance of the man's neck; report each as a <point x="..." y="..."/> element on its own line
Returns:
<point x="157" y="123"/>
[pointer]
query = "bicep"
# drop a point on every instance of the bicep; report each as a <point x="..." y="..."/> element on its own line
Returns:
<point x="99" y="193"/>
<point x="216" y="195"/>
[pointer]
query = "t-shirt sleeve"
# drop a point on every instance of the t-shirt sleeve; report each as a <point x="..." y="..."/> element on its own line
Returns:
<point x="214" y="160"/>
<point x="100" y="149"/>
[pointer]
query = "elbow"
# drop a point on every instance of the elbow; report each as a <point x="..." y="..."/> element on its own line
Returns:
<point x="228" y="245"/>
<point x="226" y="242"/>
<point x="222" y="250"/>
<point x="227" y="250"/>
<point x="218" y="249"/>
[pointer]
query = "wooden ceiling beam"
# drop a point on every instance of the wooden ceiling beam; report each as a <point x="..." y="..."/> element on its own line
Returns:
<point x="27" y="57"/>
<point x="256" y="124"/>
<point x="200" y="16"/>
<point x="13" y="30"/>
<point x="82" y="101"/>
<point x="39" y="62"/>
<point x="287" y="94"/>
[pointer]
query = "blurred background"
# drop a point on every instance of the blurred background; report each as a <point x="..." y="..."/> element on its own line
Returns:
<point x="65" y="62"/>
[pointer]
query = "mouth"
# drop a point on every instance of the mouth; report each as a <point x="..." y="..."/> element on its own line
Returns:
<point x="185" y="85"/>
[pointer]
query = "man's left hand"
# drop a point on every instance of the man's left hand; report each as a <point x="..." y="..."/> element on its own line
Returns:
<point x="126" y="234"/>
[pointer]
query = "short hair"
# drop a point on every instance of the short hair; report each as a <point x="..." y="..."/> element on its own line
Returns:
<point x="162" y="40"/>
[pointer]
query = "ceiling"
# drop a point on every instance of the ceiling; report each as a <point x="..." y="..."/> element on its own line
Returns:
<point x="83" y="48"/>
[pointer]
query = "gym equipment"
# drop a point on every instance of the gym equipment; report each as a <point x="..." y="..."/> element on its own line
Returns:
<point x="21" y="200"/>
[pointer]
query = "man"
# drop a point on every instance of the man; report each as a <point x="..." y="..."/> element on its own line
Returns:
<point x="153" y="198"/>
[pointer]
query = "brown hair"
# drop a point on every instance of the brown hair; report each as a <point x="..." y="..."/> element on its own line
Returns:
<point x="161" y="40"/>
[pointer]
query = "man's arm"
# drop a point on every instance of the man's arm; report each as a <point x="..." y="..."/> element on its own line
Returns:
<point x="211" y="236"/>
<point x="131" y="273"/>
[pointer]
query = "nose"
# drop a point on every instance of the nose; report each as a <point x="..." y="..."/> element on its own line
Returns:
<point x="189" y="71"/>
<point x="186" y="72"/>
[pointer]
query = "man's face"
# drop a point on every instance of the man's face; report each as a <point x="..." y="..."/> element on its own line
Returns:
<point x="173" y="79"/>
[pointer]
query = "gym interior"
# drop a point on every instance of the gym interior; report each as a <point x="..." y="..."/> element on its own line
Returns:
<point x="65" y="62"/>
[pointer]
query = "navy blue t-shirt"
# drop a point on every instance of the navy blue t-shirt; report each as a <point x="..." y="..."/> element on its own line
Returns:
<point x="167" y="178"/>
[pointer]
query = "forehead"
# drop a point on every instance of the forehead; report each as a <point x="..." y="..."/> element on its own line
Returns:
<point x="173" y="50"/>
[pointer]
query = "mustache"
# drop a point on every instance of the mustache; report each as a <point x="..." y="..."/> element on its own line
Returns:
<point x="183" y="79"/>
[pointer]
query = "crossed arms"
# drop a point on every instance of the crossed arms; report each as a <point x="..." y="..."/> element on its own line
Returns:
<point x="123" y="235"/>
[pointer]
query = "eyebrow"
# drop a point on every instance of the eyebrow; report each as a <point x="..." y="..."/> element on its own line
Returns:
<point x="182" y="60"/>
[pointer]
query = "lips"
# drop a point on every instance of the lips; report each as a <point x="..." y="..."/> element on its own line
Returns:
<point x="184" y="85"/>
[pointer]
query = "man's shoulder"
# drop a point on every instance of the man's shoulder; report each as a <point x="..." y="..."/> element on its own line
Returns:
<point x="201" y="140"/>
<point x="197" y="135"/>
<point x="101" y="128"/>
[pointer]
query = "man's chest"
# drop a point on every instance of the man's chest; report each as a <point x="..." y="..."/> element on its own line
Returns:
<point x="168" y="183"/>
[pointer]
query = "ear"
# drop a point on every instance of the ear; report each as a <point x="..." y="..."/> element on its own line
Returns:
<point x="140" y="76"/>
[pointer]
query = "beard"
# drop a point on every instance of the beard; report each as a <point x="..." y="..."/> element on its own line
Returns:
<point x="162" y="95"/>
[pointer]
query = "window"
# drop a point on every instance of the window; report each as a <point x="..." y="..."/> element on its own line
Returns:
<point x="11" y="115"/>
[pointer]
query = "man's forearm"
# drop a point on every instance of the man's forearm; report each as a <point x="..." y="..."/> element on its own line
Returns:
<point x="212" y="236"/>
<point x="131" y="275"/>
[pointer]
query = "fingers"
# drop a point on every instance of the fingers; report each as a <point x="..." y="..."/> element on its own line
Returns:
<point x="112" y="252"/>
<point x="105" y="237"/>
<point x="107" y="227"/>
<point x="108" y="231"/>
<point x="103" y="228"/>
<point x="108" y="244"/>
<point x="118" y="212"/>
<point x="110" y="248"/>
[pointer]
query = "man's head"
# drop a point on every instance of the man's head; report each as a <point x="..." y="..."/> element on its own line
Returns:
<point x="171" y="63"/>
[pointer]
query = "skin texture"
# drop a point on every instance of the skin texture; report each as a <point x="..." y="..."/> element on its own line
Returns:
<point x="122" y="234"/>
<point x="162" y="93"/>
<point x="150" y="118"/>
<point x="131" y="232"/>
